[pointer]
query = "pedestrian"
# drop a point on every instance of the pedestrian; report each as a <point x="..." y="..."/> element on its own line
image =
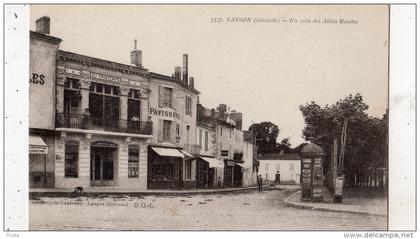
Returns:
<point x="219" y="182"/>
<point x="259" y="182"/>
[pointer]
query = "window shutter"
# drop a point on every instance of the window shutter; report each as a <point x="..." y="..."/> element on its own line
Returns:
<point x="161" y="96"/>
<point x="186" y="105"/>
<point x="160" y="130"/>
<point x="173" y="132"/>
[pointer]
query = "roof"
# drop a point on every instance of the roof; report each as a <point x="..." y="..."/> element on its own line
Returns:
<point x="312" y="150"/>
<point x="279" y="156"/>
<point x="115" y="66"/>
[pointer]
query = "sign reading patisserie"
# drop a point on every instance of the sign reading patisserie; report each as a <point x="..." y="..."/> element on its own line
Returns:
<point x="164" y="113"/>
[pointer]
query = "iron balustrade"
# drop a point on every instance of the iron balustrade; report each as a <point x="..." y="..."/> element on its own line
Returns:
<point x="80" y="121"/>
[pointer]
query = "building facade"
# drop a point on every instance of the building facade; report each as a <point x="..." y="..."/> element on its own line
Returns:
<point x="43" y="54"/>
<point x="97" y="123"/>
<point x="281" y="167"/>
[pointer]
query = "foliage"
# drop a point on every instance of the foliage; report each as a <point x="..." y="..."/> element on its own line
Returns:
<point x="366" y="140"/>
<point x="266" y="138"/>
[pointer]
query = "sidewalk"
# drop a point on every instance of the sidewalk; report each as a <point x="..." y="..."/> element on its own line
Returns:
<point x="95" y="191"/>
<point x="360" y="201"/>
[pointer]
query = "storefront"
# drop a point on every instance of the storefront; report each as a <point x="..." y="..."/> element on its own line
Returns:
<point x="170" y="168"/>
<point x="207" y="171"/>
<point x="39" y="176"/>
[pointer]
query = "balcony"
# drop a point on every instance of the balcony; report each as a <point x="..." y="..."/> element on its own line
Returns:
<point x="78" y="121"/>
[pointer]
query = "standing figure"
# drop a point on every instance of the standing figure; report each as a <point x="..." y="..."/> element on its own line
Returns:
<point x="259" y="182"/>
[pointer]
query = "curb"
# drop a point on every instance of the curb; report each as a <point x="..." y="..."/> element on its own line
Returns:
<point x="303" y="206"/>
<point x="33" y="195"/>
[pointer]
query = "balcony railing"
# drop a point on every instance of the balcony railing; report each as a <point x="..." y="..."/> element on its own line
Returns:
<point x="78" y="121"/>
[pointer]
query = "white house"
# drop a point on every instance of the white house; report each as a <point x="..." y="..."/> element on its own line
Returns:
<point x="287" y="165"/>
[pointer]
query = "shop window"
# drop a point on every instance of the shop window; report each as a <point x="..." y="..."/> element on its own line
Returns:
<point x="167" y="130"/>
<point x="71" y="160"/>
<point x="188" y="167"/>
<point x="133" y="161"/>
<point x="188" y="105"/>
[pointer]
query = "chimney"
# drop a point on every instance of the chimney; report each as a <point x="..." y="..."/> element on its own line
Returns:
<point x="43" y="25"/>
<point x="178" y="72"/>
<point x="136" y="56"/>
<point x="185" y="68"/>
<point x="191" y="83"/>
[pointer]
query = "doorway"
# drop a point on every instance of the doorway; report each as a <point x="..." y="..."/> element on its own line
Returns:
<point x="103" y="166"/>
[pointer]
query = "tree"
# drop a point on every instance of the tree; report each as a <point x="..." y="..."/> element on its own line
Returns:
<point x="362" y="138"/>
<point x="284" y="145"/>
<point x="266" y="134"/>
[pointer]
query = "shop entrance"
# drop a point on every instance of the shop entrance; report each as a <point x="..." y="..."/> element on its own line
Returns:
<point x="103" y="165"/>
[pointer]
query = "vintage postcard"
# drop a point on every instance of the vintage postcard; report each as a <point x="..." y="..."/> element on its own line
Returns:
<point x="208" y="117"/>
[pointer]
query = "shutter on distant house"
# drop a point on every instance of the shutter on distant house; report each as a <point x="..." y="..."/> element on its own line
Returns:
<point x="160" y="130"/>
<point x="161" y="96"/>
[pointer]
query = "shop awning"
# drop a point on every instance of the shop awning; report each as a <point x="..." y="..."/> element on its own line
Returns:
<point x="37" y="145"/>
<point x="168" y="152"/>
<point x="186" y="154"/>
<point x="213" y="162"/>
<point x="241" y="165"/>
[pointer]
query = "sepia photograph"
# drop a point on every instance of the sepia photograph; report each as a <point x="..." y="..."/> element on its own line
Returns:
<point x="208" y="117"/>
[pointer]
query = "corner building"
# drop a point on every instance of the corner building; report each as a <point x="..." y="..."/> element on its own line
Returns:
<point x="97" y="123"/>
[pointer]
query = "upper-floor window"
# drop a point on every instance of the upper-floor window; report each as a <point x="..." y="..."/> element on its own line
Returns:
<point x="72" y="84"/>
<point x="221" y="131"/>
<point x="167" y="130"/>
<point x="200" y="139"/>
<point x="165" y="96"/>
<point x="188" y="105"/>
<point x="134" y="94"/>
<point x="230" y="134"/>
<point x="206" y="141"/>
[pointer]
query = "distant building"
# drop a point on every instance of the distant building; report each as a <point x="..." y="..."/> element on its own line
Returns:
<point x="285" y="165"/>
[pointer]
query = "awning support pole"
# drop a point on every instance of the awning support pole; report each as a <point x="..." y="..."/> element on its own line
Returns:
<point x="45" y="170"/>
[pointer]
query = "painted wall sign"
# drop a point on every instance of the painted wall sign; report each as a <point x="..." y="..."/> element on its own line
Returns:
<point x="41" y="85"/>
<point x="105" y="78"/>
<point x="164" y="113"/>
<point x="73" y="71"/>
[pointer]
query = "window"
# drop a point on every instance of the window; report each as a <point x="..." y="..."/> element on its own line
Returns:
<point x="104" y="105"/>
<point x="188" y="135"/>
<point x="188" y="166"/>
<point x="230" y="133"/>
<point x="200" y="139"/>
<point x="166" y="97"/>
<point x="133" y="110"/>
<point x="206" y="141"/>
<point x="133" y="161"/>
<point x="188" y="105"/>
<point x="178" y="137"/>
<point x="266" y="166"/>
<point x="167" y="130"/>
<point x="71" y="160"/>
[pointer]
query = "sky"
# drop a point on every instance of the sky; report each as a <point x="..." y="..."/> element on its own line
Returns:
<point x="264" y="70"/>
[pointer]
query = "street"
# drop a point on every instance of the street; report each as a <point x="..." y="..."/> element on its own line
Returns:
<point x="230" y="211"/>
